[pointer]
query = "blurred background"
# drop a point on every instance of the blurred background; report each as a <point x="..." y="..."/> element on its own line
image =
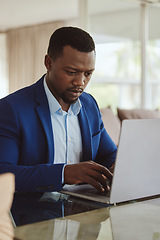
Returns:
<point x="127" y="37"/>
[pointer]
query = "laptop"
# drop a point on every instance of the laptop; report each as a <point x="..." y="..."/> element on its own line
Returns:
<point x="137" y="168"/>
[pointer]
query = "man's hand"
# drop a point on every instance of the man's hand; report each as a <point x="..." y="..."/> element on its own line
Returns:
<point x="88" y="172"/>
<point x="111" y="169"/>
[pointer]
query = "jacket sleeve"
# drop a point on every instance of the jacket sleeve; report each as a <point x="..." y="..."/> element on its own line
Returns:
<point x="29" y="176"/>
<point x="107" y="150"/>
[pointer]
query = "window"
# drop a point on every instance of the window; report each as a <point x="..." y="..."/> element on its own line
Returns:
<point x="153" y="53"/>
<point x="116" y="81"/>
<point x="117" y="78"/>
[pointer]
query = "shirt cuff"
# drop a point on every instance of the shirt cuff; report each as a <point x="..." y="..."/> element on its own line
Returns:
<point x="63" y="173"/>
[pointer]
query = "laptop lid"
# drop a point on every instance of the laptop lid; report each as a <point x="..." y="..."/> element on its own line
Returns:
<point x="137" y="168"/>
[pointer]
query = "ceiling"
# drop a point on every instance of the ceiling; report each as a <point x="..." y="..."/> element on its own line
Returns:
<point x="18" y="13"/>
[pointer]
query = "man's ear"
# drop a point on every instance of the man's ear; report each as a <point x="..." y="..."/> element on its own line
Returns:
<point x="47" y="62"/>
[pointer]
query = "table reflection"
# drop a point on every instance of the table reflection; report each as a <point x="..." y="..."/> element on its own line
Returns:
<point x="35" y="207"/>
<point x="138" y="221"/>
<point x="92" y="225"/>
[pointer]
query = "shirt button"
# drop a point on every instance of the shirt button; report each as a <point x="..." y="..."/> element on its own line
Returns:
<point x="69" y="138"/>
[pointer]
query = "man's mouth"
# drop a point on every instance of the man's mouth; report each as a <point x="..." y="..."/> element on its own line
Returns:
<point x="80" y="90"/>
<point x="75" y="92"/>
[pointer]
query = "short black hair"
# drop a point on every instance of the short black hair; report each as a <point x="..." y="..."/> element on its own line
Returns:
<point x="72" y="36"/>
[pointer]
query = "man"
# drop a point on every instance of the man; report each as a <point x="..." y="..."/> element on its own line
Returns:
<point x="51" y="132"/>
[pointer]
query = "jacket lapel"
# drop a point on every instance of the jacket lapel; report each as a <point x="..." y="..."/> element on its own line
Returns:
<point x="44" y="116"/>
<point x="86" y="135"/>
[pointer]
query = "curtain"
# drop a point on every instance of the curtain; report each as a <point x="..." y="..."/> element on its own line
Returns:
<point x="3" y="66"/>
<point x="26" y="50"/>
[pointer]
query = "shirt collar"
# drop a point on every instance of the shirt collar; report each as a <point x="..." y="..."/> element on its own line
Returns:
<point x="54" y="105"/>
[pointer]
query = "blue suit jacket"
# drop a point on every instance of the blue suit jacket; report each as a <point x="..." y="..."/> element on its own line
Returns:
<point x="26" y="139"/>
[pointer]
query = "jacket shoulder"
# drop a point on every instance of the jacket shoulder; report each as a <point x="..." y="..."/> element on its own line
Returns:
<point x="88" y="100"/>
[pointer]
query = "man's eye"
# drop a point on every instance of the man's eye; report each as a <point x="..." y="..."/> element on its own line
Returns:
<point x="88" y="74"/>
<point x="70" y="72"/>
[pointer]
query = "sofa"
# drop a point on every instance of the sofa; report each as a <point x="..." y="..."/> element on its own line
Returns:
<point x="112" y="122"/>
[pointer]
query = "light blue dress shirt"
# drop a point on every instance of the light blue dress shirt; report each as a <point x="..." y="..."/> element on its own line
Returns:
<point x="66" y="129"/>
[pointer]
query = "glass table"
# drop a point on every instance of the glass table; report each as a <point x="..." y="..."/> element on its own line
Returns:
<point x="78" y="219"/>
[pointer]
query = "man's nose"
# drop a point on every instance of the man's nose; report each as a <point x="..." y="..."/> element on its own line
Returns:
<point x="79" y="80"/>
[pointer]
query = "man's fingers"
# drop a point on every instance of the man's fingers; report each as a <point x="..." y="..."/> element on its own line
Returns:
<point x="100" y="178"/>
<point x="92" y="181"/>
<point x="106" y="172"/>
